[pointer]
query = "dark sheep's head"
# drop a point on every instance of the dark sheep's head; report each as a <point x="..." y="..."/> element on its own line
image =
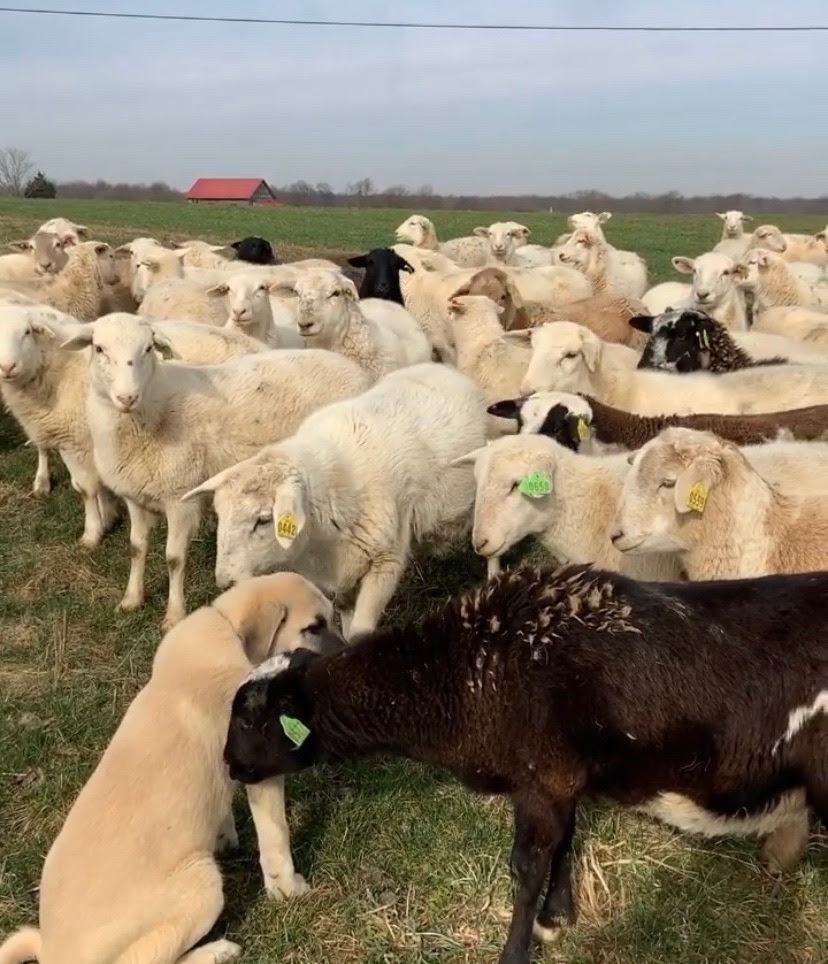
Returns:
<point x="680" y="340"/>
<point x="544" y="413"/>
<point x="254" y="250"/>
<point x="270" y="730"/>
<point x="382" y="273"/>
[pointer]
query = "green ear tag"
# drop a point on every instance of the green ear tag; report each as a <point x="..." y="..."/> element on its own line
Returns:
<point x="583" y="429"/>
<point x="295" y="730"/>
<point x="535" y="485"/>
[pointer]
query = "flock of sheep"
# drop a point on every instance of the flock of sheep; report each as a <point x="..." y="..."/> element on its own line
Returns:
<point x="341" y="417"/>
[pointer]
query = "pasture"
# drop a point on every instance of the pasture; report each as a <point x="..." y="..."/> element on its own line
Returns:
<point x="404" y="865"/>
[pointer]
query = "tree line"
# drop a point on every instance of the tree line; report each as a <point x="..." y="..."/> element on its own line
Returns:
<point x="16" y="167"/>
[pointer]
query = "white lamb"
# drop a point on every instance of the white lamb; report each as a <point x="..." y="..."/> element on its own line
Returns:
<point x="569" y="508"/>
<point x="331" y="316"/>
<point x="249" y="308"/>
<point x="42" y="254"/>
<point x="725" y="513"/>
<point x="160" y="428"/>
<point x="588" y="251"/>
<point x="343" y="499"/>
<point x="508" y="245"/>
<point x="570" y="358"/>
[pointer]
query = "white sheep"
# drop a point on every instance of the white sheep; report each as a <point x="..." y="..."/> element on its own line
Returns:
<point x="160" y="428"/>
<point x="496" y="362"/>
<point x="733" y="242"/>
<point x="722" y="511"/>
<point x="628" y="264"/>
<point x="203" y="254"/>
<point x="588" y="251"/>
<point x="331" y="316"/>
<point x="507" y="241"/>
<point x="570" y="358"/>
<point x="43" y="254"/>
<point x="806" y="248"/>
<point x="418" y="231"/>
<point x="79" y="288"/>
<point x="769" y="276"/>
<point x="69" y="232"/>
<point x="531" y="485"/>
<point x="45" y="390"/>
<point x="343" y="500"/>
<point x="197" y="344"/>
<point x="249" y="308"/>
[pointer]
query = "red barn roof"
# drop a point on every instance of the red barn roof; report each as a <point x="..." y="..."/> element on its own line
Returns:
<point x="226" y="188"/>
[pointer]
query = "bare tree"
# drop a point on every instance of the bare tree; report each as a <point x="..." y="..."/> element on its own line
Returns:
<point x="15" y="167"/>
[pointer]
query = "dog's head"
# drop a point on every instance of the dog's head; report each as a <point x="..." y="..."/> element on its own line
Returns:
<point x="279" y="613"/>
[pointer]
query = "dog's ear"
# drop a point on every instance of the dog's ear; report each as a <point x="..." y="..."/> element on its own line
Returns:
<point x="261" y="637"/>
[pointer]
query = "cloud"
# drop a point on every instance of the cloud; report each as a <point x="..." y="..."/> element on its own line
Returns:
<point x="466" y="111"/>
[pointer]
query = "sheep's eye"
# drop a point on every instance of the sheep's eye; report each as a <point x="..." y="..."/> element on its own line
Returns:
<point x="335" y="294"/>
<point x="514" y="486"/>
<point x="571" y="354"/>
<point x="28" y="331"/>
<point x="99" y="350"/>
<point x="668" y="484"/>
<point x="263" y="520"/>
<point x="316" y="626"/>
<point x="148" y="349"/>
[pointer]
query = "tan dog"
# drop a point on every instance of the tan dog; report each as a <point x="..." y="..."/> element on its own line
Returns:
<point x="131" y="877"/>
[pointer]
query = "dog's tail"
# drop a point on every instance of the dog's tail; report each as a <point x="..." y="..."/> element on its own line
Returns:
<point x="23" y="945"/>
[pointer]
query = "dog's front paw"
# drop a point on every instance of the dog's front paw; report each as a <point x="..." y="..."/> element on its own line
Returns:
<point x="286" y="885"/>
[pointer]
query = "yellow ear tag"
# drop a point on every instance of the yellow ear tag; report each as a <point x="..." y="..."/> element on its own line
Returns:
<point x="697" y="496"/>
<point x="583" y="429"/>
<point x="286" y="525"/>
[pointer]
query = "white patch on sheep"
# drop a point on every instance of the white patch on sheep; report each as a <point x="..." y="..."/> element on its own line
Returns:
<point x="270" y="667"/>
<point x="802" y="715"/>
<point x="680" y="811"/>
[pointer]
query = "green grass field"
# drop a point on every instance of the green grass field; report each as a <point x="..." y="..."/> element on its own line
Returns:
<point x="404" y="865"/>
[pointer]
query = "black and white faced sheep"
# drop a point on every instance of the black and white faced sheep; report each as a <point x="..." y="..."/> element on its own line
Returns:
<point x="254" y="250"/>
<point x="705" y="704"/>
<point x="382" y="274"/>
<point x="686" y="340"/>
<point x="533" y="417"/>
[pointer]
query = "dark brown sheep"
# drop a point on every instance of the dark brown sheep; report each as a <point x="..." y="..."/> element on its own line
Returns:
<point x="705" y="703"/>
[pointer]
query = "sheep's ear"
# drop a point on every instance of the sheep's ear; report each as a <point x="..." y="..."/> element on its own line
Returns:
<point x="20" y="245"/>
<point x="642" y="323"/>
<point x="288" y="512"/>
<point x="524" y="231"/>
<point x="82" y="230"/>
<point x="216" y="248"/>
<point x="102" y="247"/>
<point x="68" y="238"/>
<point x="461" y="291"/>
<point x="209" y="485"/>
<point x="235" y="245"/>
<point x="456" y="307"/>
<point x="739" y="271"/>
<point x="592" y="348"/>
<point x="469" y="458"/>
<point x="693" y="486"/>
<point x="358" y="261"/>
<point x="763" y="260"/>
<point x="512" y="291"/>
<point x="481" y="232"/>
<point x="822" y="236"/>
<point x="405" y="266"/>
<point x="349" y="290"/>
<point x="122" y="252"/>
<point x="507" y="408"/>
<point x="746" y="217"/>
<point x="151" y="264"/>
<point x="81" y="338"/>
<point x="181" y="253"/>
<point x="604" y="216"/>
<point x="218" y="291"/>
<point x="721" y="214"/>
<point x="41" y="328"/>
<point x="519" y="334"/>
<point x="280" y="286"/>
<point x="164" y="347"/>
<point x="683" y="265"/>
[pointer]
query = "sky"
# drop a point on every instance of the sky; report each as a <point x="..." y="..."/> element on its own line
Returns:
<point x="464" y="111"/>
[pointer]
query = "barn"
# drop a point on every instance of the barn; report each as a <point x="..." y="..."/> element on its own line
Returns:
<point x="231" y="190"/>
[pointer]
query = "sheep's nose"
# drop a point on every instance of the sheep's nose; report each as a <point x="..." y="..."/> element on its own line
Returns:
<point x="6" y="371"/>
<point x="480" y="546"/>
<point x="618" y="534"/>
<point x="223" y="581"/>
<point x="126" y="402"/>
<point x="702" y="295"/>
<point x="47" y="266"/>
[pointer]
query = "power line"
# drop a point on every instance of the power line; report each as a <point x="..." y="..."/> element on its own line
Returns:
<point x="416" y="25"/>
